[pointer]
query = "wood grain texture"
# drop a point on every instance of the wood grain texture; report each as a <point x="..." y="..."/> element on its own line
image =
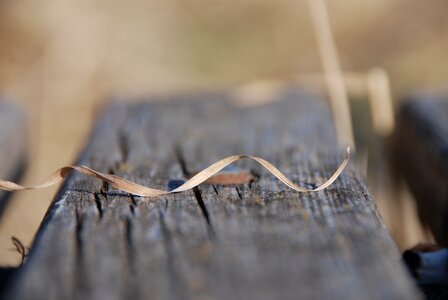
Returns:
<point x="254" y="241"/>
<point x="13" y="146"/>
<point x="421" y="152"/>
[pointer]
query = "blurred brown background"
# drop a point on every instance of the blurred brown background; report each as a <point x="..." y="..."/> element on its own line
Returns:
<point x="60" y="58"/>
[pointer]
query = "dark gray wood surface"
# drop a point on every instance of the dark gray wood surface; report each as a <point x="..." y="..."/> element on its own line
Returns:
<point x="254" y="241"/>
<point x="421" y="152"/>
<point x="12" y="146"/>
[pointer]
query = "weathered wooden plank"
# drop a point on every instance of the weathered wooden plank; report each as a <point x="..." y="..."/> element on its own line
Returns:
<point x="421" y="152"/>
<point x="13" y="146"/>
<point x="254" y="241"/>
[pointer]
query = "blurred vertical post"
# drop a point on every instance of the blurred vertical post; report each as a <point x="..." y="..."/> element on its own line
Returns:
<point x="381" y="106"/>
<point x="333" y="74"/>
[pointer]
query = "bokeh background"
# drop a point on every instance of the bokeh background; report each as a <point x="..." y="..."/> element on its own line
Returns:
<point x="59" y="59"/>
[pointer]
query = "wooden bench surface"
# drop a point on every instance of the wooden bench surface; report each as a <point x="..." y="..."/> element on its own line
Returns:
<point x="254" y="241"/>
<point x="12" y="146"/>
<point x="422" y="156"/>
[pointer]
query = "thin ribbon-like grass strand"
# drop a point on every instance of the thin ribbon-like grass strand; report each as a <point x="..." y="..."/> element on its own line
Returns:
<point x="143" y="191"/>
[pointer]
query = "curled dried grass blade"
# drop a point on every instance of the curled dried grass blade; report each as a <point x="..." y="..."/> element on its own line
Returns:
<point x="143" y="191"/>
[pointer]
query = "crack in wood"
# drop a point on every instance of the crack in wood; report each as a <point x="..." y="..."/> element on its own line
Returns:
<point x="165" y="207"/>
<point x="239" y="193"/>
<point x="215" y="189"/>
<point x="105" y="187"/>
<point x="182" y="163"/>
<point x="256" y="177"/>
<point x="122" y="146"/>
<point x="174" y="278"/>
<point x="80" y="275"/>
<point x="205" y="213"/>
<point x="99" y="205"/>
<point x="129" y="245"/>
<point x="132" y="204"/>
<point x="196" y="191"/>
<point x="78" y="232"/>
